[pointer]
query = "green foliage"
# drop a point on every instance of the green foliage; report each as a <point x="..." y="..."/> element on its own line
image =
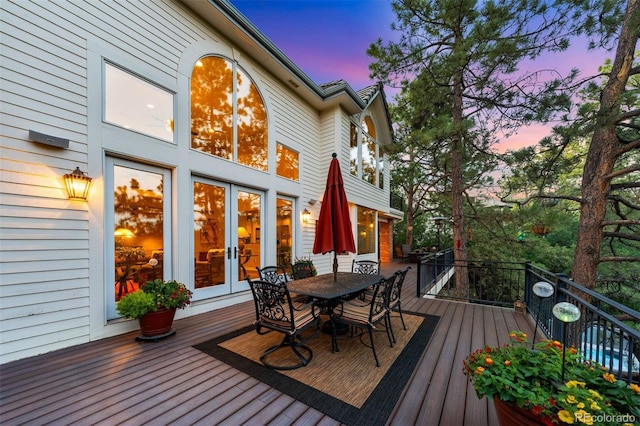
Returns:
<point x="136" y="304"/>
<point x="154" y="295"/>
<point x="532" y="379"/>
<point x="168" y="294"/>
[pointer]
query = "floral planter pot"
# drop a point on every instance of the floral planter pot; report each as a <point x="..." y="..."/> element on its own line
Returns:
<point x="509" y="415"/>
<point x="158" y="323"/>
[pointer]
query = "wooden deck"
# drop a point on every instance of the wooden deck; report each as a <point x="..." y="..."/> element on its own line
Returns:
<point x="121" y="381"/>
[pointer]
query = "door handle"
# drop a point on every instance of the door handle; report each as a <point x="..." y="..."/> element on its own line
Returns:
<point x="235" y="252"/>
<point x="229" y="253"/>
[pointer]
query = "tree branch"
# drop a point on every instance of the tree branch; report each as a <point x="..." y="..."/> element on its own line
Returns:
<point x="624" y="171"/>
<point x="619" y="259"/>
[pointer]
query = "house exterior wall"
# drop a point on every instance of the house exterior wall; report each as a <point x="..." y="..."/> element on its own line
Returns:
<point x="53" y="273"/>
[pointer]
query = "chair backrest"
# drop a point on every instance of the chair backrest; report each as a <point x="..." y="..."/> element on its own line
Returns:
<point x="364" y="267"/>
<point x="270" y="274"/>
<point x="395" y="292"/>
<point x="301" y="270"/>
<point x="274" y="309"/>
<point x="406" y="249"/>
<point x="380" y="299"/>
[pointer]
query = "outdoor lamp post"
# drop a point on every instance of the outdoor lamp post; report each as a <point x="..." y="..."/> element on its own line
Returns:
<point x="565" y="312"/>
<point x="438" y="221"/>
<point x="543" y="290"/>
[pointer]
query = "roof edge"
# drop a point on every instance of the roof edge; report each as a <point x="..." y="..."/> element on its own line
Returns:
<point x="243" y="23"/>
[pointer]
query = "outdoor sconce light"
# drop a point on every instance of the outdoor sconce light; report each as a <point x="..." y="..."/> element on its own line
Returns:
<point x="306" y="215"/>
<point x="77" y="184"/>
<point x="565" y="312"/>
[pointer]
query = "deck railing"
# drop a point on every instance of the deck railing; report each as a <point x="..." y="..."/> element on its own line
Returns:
<point x="601" y="333"/>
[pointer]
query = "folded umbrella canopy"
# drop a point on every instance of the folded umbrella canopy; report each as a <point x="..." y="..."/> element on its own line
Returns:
<point x="334" y="232"/>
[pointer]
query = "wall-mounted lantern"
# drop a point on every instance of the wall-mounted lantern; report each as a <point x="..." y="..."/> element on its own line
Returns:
<point x="306" y="215"/>
<point x="78" y="184"/>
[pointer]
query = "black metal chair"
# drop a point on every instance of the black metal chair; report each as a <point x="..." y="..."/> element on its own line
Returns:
<point x="275" y="311"/>
<point x="365" y="315"/>
<point x="270" y="274"/>
<point x="364" y="267"/>
<point x="395" y="295"/>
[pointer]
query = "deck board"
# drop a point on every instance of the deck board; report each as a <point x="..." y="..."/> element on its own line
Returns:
<point x="116" y="380"/>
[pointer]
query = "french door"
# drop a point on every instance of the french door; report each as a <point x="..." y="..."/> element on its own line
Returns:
<point x="227" y="242"/>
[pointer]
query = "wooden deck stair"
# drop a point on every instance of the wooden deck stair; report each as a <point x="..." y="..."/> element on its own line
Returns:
<point x="121" y="381"/>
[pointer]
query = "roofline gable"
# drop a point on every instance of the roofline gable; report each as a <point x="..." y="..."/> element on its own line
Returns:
<point x="227" y="20"/>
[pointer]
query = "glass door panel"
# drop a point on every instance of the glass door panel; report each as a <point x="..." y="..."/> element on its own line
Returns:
<point x="210" y="234"/>
<point x="284" y="237"/>
<point x="139" y="227"/>
<point x="249" y="249"/>
<point x="226" y="237"/>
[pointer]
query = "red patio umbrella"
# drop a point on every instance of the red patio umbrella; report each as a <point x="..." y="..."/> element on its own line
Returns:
<point x="334" y="232"/>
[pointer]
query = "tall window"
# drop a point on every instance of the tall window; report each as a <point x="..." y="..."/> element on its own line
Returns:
<point x="369" y="155"/>
<point x="228" y="116"/>
<point x="364" y="155"/>
<point x="287" y="163"/>
<point x="284" y="229"/>
<point x="140" y="224"/>
<point x="366" y="230"/>
<point x="353" y="150"/>
<point x="150" y="111"/>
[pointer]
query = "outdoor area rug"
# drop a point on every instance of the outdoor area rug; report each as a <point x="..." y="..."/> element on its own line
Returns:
<point x="345" y="385"/>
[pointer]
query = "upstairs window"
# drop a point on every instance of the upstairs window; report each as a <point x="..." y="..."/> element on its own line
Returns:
<point x="228" y="115"/>
<point x="364" y="158"/>
<point x="149" y="111"/>
<point x="369" y="152"/>
<point x="287" y="163"/>
<point x="353" y="150"/>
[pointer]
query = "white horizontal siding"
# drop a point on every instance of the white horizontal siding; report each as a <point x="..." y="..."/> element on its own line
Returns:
<point x="48" y="53"/>
<point x="44" y="257"/>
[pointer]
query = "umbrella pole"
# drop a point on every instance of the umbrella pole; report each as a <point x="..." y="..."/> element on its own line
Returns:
<point x="335" y="266"/>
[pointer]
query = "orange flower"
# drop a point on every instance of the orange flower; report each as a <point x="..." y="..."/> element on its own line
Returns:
<point x="557" y="344"/>
<point x="609" y="377"/>
<point x="634" y="387"/>
<point x="478" y="371"/>
<point x="507" y="362"/>
<point x="488" y="361"/>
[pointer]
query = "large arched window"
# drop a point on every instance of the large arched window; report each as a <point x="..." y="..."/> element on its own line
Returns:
<point x="228" y="115"/>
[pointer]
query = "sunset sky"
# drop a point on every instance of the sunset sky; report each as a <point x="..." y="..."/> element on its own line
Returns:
<point x="328" y="40"/>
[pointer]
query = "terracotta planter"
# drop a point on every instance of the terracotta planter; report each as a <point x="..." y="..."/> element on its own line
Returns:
<point x="509" y="415"/>
<point x="157" y="323"/>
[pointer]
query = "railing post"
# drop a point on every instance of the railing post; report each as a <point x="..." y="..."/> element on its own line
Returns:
<point x="527" y="284"/>
<point x="560" y="297"/>
<point x="419" y="279"/>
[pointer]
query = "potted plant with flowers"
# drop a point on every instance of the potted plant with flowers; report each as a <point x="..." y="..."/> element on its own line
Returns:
<point x="154" y="305"/>
<point x="526" y="385"/>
